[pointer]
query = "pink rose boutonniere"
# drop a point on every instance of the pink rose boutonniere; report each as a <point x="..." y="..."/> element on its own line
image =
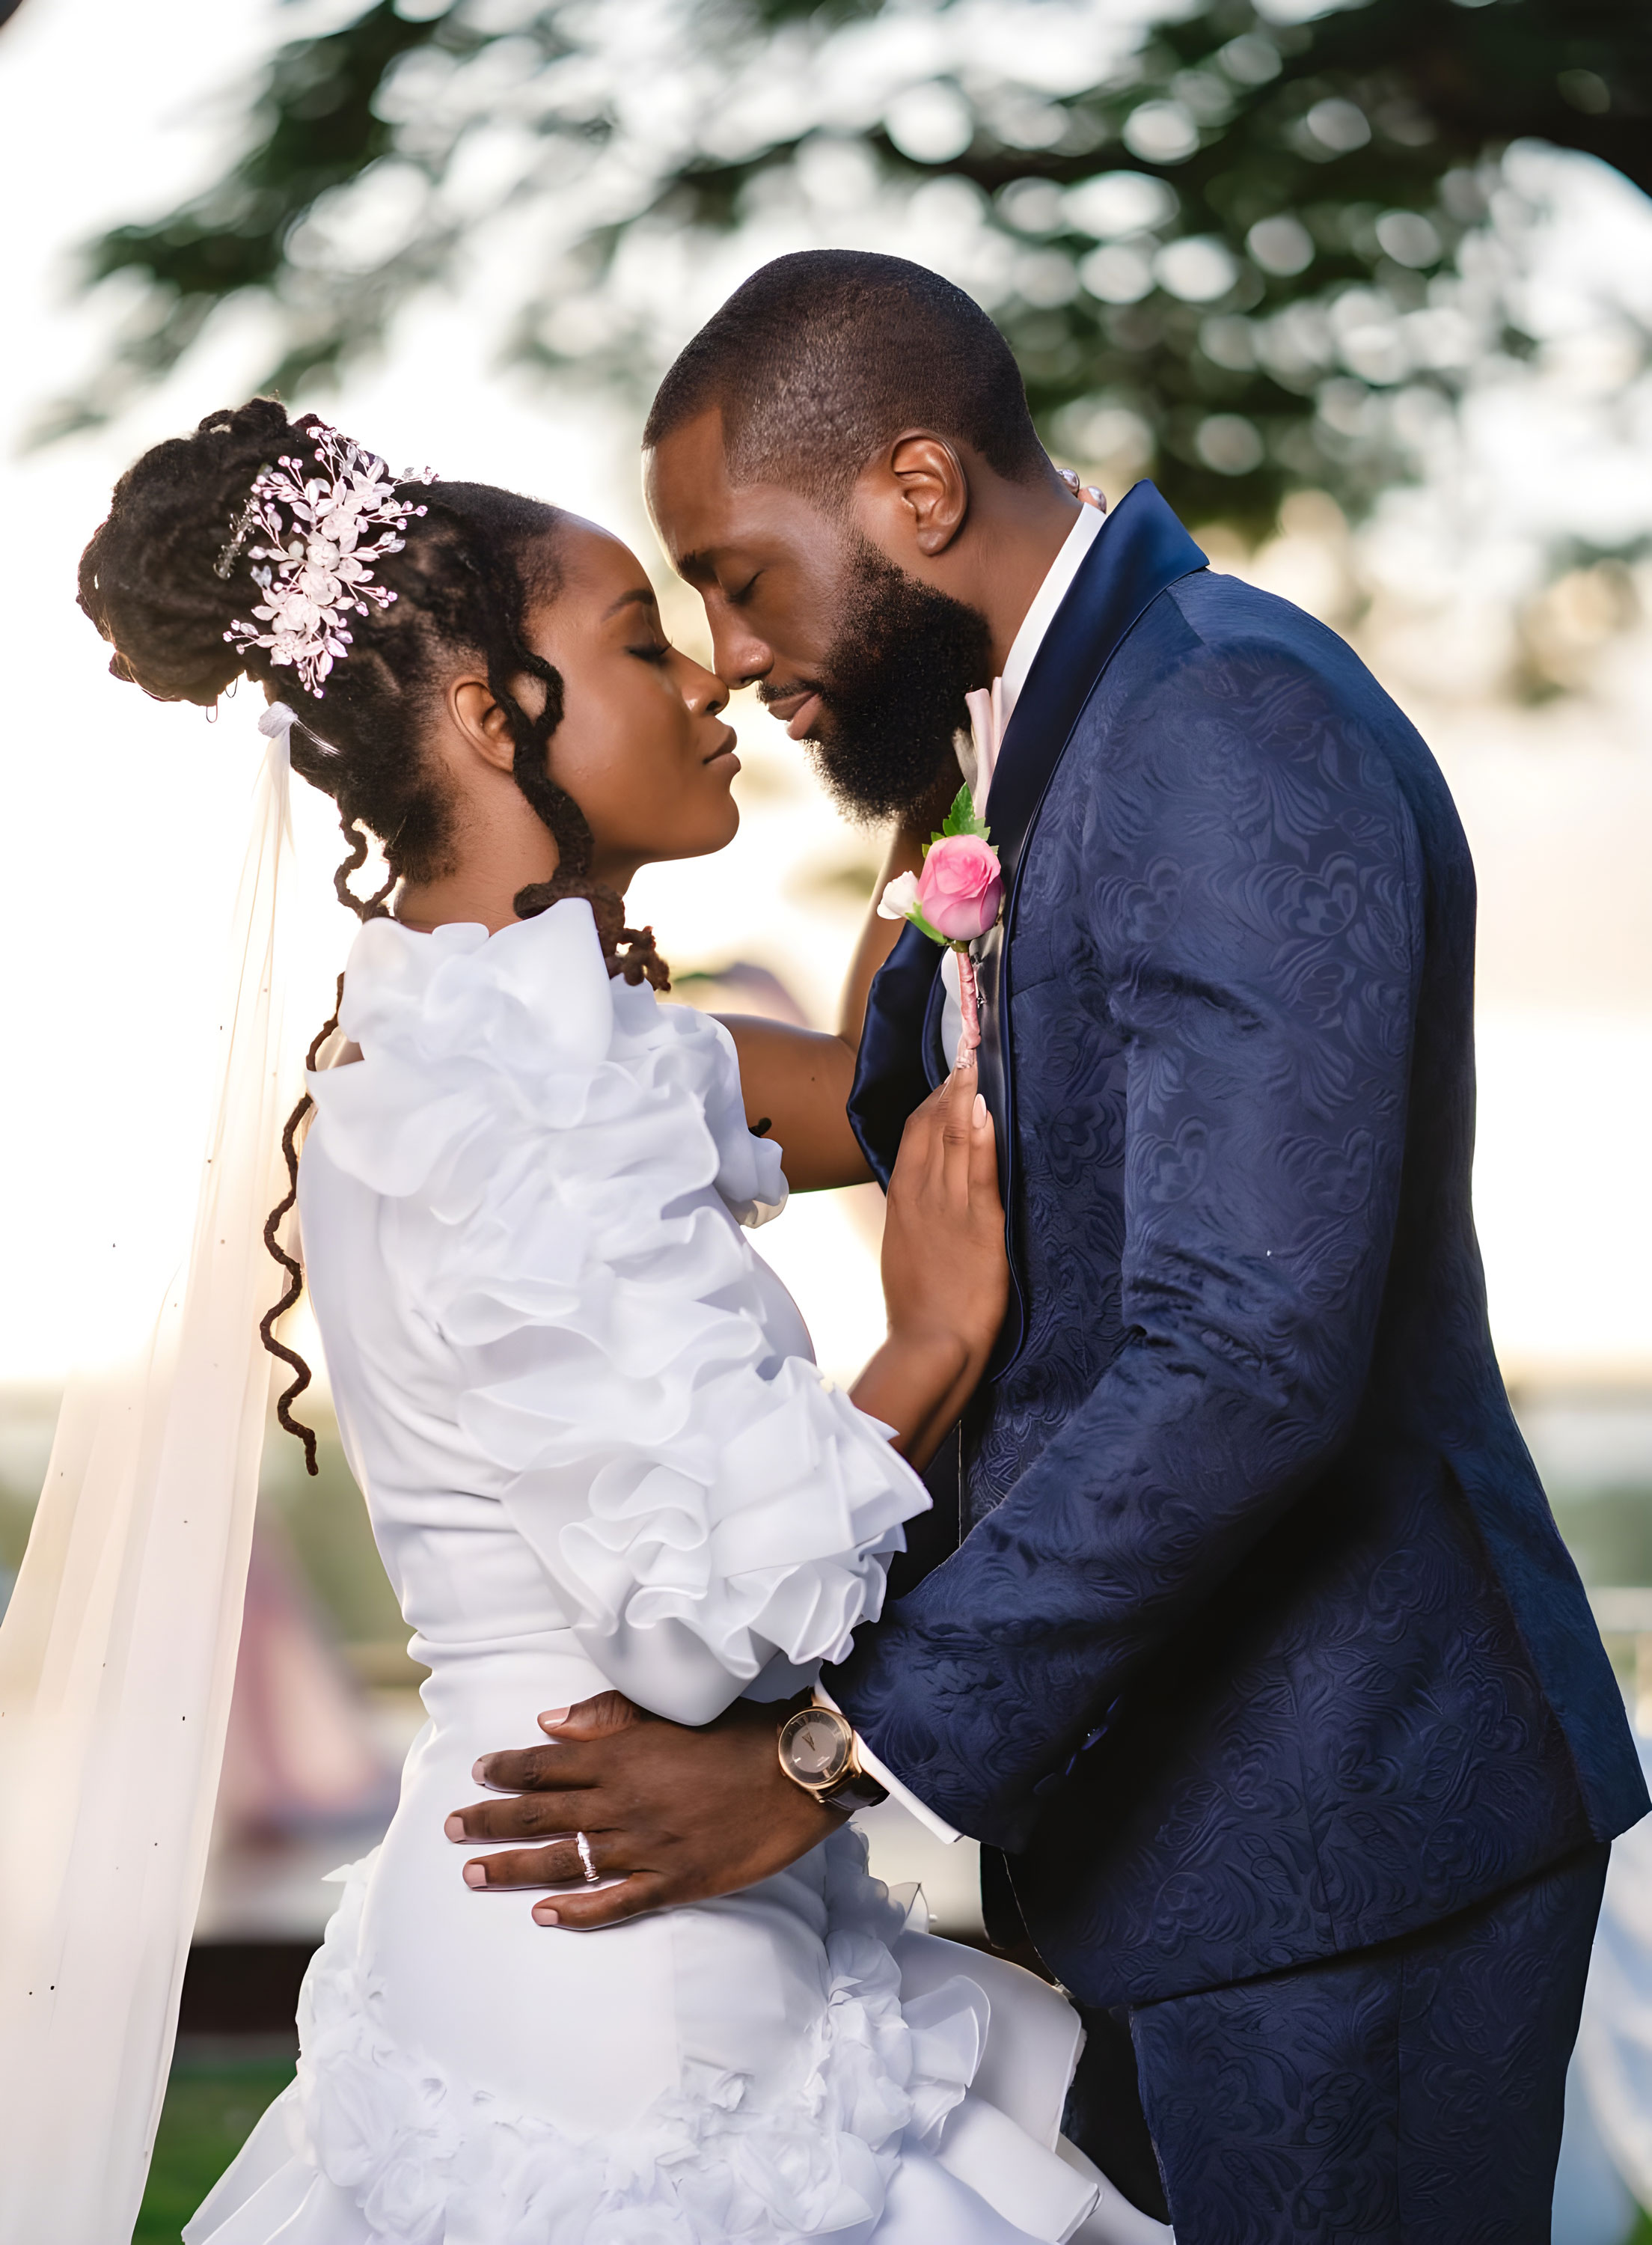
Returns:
<point x="956" y="899"/>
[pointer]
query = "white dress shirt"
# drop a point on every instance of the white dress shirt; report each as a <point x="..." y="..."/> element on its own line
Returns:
<point x="1088" y="526"/>
<point x="1006" y="692"/>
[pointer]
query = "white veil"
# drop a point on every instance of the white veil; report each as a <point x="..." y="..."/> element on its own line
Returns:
<point x="117" y="1650"/>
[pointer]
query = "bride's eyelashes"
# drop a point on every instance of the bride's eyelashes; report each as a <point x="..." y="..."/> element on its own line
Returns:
<point x="655" y="651"/>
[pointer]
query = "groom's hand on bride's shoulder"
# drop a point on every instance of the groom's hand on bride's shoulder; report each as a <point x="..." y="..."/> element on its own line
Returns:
<point x="667" y="1816"/>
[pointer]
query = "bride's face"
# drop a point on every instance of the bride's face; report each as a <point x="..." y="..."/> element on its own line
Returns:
<point x="642" y="748"/>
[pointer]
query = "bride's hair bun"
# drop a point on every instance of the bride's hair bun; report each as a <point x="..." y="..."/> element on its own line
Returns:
<point x="148" y="579"/>
<point x="172" y="571"/>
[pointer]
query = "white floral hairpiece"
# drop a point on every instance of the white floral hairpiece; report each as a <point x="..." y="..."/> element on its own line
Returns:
<point x="314" y="570"/>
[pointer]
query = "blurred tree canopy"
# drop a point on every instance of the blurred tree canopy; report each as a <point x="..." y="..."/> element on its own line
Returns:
<point x="1253" y="247"/>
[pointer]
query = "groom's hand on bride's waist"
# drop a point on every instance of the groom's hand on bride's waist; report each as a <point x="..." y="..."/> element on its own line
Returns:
<point x="667" y="1816"/>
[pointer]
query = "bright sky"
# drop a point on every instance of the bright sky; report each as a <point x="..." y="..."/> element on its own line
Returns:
<point x="126" y="820"/>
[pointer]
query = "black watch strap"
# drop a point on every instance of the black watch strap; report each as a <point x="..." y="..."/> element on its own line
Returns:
<point x="858" y="1791"/>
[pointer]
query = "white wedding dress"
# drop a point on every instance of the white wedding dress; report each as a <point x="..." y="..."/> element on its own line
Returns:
<point x="597" y="1452"/>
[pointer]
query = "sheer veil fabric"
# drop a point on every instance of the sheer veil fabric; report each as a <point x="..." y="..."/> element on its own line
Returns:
<point x="118" y="1652"/>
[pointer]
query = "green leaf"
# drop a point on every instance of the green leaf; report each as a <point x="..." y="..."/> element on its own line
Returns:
<point x="963" y="818"/>
<point x="918" y="921"/>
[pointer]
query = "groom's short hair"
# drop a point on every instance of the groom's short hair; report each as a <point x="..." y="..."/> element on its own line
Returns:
<point x="822" y="358"/>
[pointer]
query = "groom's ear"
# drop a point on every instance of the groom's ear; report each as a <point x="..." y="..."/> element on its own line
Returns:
<point x="916" y="492"/>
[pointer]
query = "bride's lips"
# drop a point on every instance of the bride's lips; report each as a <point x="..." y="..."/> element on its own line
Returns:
<point x="725" y="749"/>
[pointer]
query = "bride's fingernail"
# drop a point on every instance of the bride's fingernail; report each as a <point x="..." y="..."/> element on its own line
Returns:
<point x="980" y="1110"/>
<point x="479" y="1772"/>
<point x="543" y="1915"/>
<point x="554" y="1716"/>
<point x="475" y="1875"/>
<point x="455" y="1827"/>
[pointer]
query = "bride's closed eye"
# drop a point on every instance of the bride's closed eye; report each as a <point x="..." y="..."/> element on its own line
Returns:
<point x="656" y="651"/>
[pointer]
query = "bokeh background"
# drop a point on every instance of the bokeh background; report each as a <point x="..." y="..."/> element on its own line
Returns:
<point x="1367" y="289"/>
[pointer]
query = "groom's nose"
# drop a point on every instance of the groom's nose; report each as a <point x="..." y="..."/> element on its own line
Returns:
<point x="738" y="654"/>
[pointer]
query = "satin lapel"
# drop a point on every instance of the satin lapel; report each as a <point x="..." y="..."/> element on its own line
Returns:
<point x="891" y="1077"/>
<point x="1143" y="549"/>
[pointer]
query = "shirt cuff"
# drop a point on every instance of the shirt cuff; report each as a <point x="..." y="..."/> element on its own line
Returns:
<point x="909" y="1800"/>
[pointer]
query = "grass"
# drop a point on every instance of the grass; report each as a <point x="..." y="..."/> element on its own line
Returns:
<point x="208" y="2115"/>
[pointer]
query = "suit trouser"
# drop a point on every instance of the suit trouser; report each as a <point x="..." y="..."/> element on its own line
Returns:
<point x="1408" y="2094"/>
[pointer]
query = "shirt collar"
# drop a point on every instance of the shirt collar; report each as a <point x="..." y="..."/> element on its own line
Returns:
<point x="1085" y="529"/>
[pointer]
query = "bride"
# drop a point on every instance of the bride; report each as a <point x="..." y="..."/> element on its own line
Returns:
<point x="585" y="1416"/>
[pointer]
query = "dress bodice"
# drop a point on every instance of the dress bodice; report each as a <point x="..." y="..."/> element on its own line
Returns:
<point x="575" y="1397"/>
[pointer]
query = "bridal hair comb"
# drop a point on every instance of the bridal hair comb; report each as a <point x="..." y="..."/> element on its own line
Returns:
<point x="229" y="554"/>
<point x="314" y="570"/>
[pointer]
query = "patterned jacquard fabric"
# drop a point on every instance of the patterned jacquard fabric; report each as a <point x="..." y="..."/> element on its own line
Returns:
<point x="1410" y="2095"/>
<point x="1263" y="1643"/>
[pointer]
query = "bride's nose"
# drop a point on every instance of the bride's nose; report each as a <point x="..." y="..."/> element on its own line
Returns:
<point x="704" y="693"/>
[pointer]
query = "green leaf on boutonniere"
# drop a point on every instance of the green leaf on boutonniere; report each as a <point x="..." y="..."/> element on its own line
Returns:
<point x="914" y="913"/>
<point x="963" y="818"/>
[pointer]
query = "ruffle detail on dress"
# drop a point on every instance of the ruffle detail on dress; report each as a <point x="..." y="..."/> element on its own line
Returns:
<point x="563" y="1154"/>
<point x="428" y="2161"/>
<point x="532" y="1007"/>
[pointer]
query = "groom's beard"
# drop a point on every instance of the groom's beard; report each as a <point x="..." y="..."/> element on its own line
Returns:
<point x="892" y="697"/>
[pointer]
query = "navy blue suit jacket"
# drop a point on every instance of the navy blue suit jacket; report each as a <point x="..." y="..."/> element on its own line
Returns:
<point x="1261" y="1644"/>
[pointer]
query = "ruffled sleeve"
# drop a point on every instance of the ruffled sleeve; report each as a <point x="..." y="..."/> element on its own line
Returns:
<point x="567" y="1164"/>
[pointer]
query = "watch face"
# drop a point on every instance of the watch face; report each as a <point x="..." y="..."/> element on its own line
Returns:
<point x="817" y="1746"/>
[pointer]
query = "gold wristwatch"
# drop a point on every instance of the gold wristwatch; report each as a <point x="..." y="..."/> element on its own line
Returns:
<point x="819" y="1751"/>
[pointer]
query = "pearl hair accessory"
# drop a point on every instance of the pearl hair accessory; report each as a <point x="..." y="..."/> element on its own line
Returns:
<point x="315" y="569"/>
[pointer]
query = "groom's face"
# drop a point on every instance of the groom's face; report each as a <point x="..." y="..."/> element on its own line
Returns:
<point x="865" y="662"/>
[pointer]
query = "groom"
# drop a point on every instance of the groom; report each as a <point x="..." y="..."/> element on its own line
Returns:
<point x="1258" y="1666"/>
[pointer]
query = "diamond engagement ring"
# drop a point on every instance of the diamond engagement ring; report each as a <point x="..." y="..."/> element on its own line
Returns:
<point x="592" y="1873"/>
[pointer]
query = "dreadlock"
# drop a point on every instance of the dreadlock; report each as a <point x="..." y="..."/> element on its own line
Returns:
<point x="470" y="566"/>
